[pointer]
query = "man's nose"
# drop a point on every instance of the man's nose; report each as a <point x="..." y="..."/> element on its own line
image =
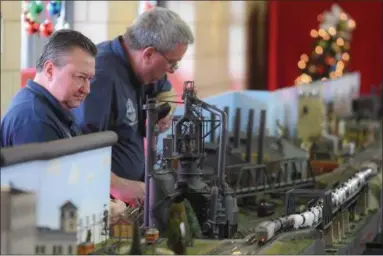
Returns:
<point x="171" y="70"/>
<point x="86" y="87"/>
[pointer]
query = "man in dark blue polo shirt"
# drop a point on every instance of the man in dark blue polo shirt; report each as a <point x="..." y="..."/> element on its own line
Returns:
<point x="128" y="69"/>
<point x="41" y="111"/>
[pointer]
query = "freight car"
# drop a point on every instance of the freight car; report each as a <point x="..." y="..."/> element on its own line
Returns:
<point x="268" y="230"/>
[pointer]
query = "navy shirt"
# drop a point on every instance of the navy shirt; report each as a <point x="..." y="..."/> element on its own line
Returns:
<point x="34" y="115"/>
<point x="115" y="103"/>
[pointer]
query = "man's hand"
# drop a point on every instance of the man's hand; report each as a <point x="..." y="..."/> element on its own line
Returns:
<point x="128" y="191"/>
<point x="164" y="124"/>
<point x="117" y="208"/>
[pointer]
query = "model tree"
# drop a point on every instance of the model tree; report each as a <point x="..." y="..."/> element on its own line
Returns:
<point x="177" y="215"/>
<point x="136" y="249"/>
<point x="330" y="53"/>
<point x="179" y="246"/>
<point x="195" y="229"/>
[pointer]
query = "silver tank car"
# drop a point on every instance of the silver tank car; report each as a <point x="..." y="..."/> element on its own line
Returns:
<point x="309" y="219"/>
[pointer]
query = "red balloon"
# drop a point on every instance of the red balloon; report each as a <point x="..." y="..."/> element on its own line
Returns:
<point x="46" y="28"/>
<point x="31" y="27"/>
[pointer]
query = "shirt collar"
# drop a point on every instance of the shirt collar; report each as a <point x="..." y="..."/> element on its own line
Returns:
<point x="119" y="50"/>
<point x="62" y="113"/>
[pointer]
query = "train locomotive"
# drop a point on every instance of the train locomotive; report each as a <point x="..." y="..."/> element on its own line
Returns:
<point x="180" y="175"/>
<point x="268" y="230"/>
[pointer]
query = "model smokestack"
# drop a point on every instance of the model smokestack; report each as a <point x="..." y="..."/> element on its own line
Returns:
<point x="261" y="136"/>
<point x="212" y="127"/>
<point x="249" y="140"/>
<point x="237" y="128"/>
<point x="226" y="110"/>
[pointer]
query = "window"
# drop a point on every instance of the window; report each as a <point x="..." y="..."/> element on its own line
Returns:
<point x="70" y="249"/>
<point x="32" y="45"/>
<point x="72" y="214"/>
<point x="40" y="249"/>
<point x="57" y="249"/>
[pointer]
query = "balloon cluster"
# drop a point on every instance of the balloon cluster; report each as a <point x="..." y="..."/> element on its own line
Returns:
<point x="31" y="13"/>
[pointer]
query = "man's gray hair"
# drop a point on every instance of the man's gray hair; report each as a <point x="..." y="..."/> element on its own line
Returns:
<point x="160" y="28"/>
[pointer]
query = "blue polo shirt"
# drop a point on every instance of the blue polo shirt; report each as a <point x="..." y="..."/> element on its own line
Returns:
<point x="34" y="115"/>
<point x="115" y="103"/>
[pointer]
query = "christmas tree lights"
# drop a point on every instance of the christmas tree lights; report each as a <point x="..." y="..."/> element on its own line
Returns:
<point x="330" y="55"/>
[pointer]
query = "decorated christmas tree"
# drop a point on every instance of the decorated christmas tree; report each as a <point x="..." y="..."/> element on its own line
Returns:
<point x="330" y="53"/>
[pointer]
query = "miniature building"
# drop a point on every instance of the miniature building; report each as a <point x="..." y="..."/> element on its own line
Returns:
<point x="68" y="219"/>
<point x="59" y="241"/>
<point x="122" y="229"/>
<point x="311" y="115"/>
<point x="18" y="221"/>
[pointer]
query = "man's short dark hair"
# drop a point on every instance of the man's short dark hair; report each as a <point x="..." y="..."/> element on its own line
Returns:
<point x="61" y="43"/>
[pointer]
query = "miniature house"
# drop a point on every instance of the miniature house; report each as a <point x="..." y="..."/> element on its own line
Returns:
<point x="122" y="229"/>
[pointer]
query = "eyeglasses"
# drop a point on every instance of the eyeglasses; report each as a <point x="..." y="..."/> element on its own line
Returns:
<point x="173" y="64"/>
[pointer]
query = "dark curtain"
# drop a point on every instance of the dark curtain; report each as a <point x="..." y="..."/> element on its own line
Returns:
<point x="290" y="23"/>
<point x="256" y="49"/>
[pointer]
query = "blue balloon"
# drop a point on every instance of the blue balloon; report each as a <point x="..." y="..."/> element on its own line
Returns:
<point x="54" y="8"/>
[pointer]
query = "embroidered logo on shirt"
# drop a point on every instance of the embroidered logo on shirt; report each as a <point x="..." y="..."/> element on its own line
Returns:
<point x="131" y="113"/>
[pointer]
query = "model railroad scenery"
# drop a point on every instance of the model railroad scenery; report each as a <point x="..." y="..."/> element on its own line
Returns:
<point x="214" y="190"/>
<point x="243" y="192"/>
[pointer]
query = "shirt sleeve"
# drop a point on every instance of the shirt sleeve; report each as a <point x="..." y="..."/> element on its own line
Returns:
<point x="36" y="132"/>
<point x="163" y="85"/>
<point x="165" y="93"/>
<point x="93" y="115"/>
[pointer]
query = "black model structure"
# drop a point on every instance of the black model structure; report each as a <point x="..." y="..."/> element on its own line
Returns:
<point x="214" y="203"/>
<point x="201" y="167"/>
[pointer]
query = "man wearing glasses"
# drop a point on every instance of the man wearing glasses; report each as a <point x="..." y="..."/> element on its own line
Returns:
<point x="128" y="70"/>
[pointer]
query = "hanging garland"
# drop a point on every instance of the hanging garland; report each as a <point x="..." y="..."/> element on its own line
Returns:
<point x="32" y="11"/>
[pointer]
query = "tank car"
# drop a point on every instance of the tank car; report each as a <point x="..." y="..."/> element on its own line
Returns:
<point x="335" y="198"/>
<point x="265" y="231"/>
<point x="297" y="219"/>
<point x="308" y="219"/>
<point x="286" y="223"/>
<point x="315" y="210"/>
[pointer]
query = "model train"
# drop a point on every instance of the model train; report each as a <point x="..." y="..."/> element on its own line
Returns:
<point x="268" y="230"/>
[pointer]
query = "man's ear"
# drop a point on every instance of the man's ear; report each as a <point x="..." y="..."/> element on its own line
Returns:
<point x="148" y="52"/>
<point x="48" y="69"/>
